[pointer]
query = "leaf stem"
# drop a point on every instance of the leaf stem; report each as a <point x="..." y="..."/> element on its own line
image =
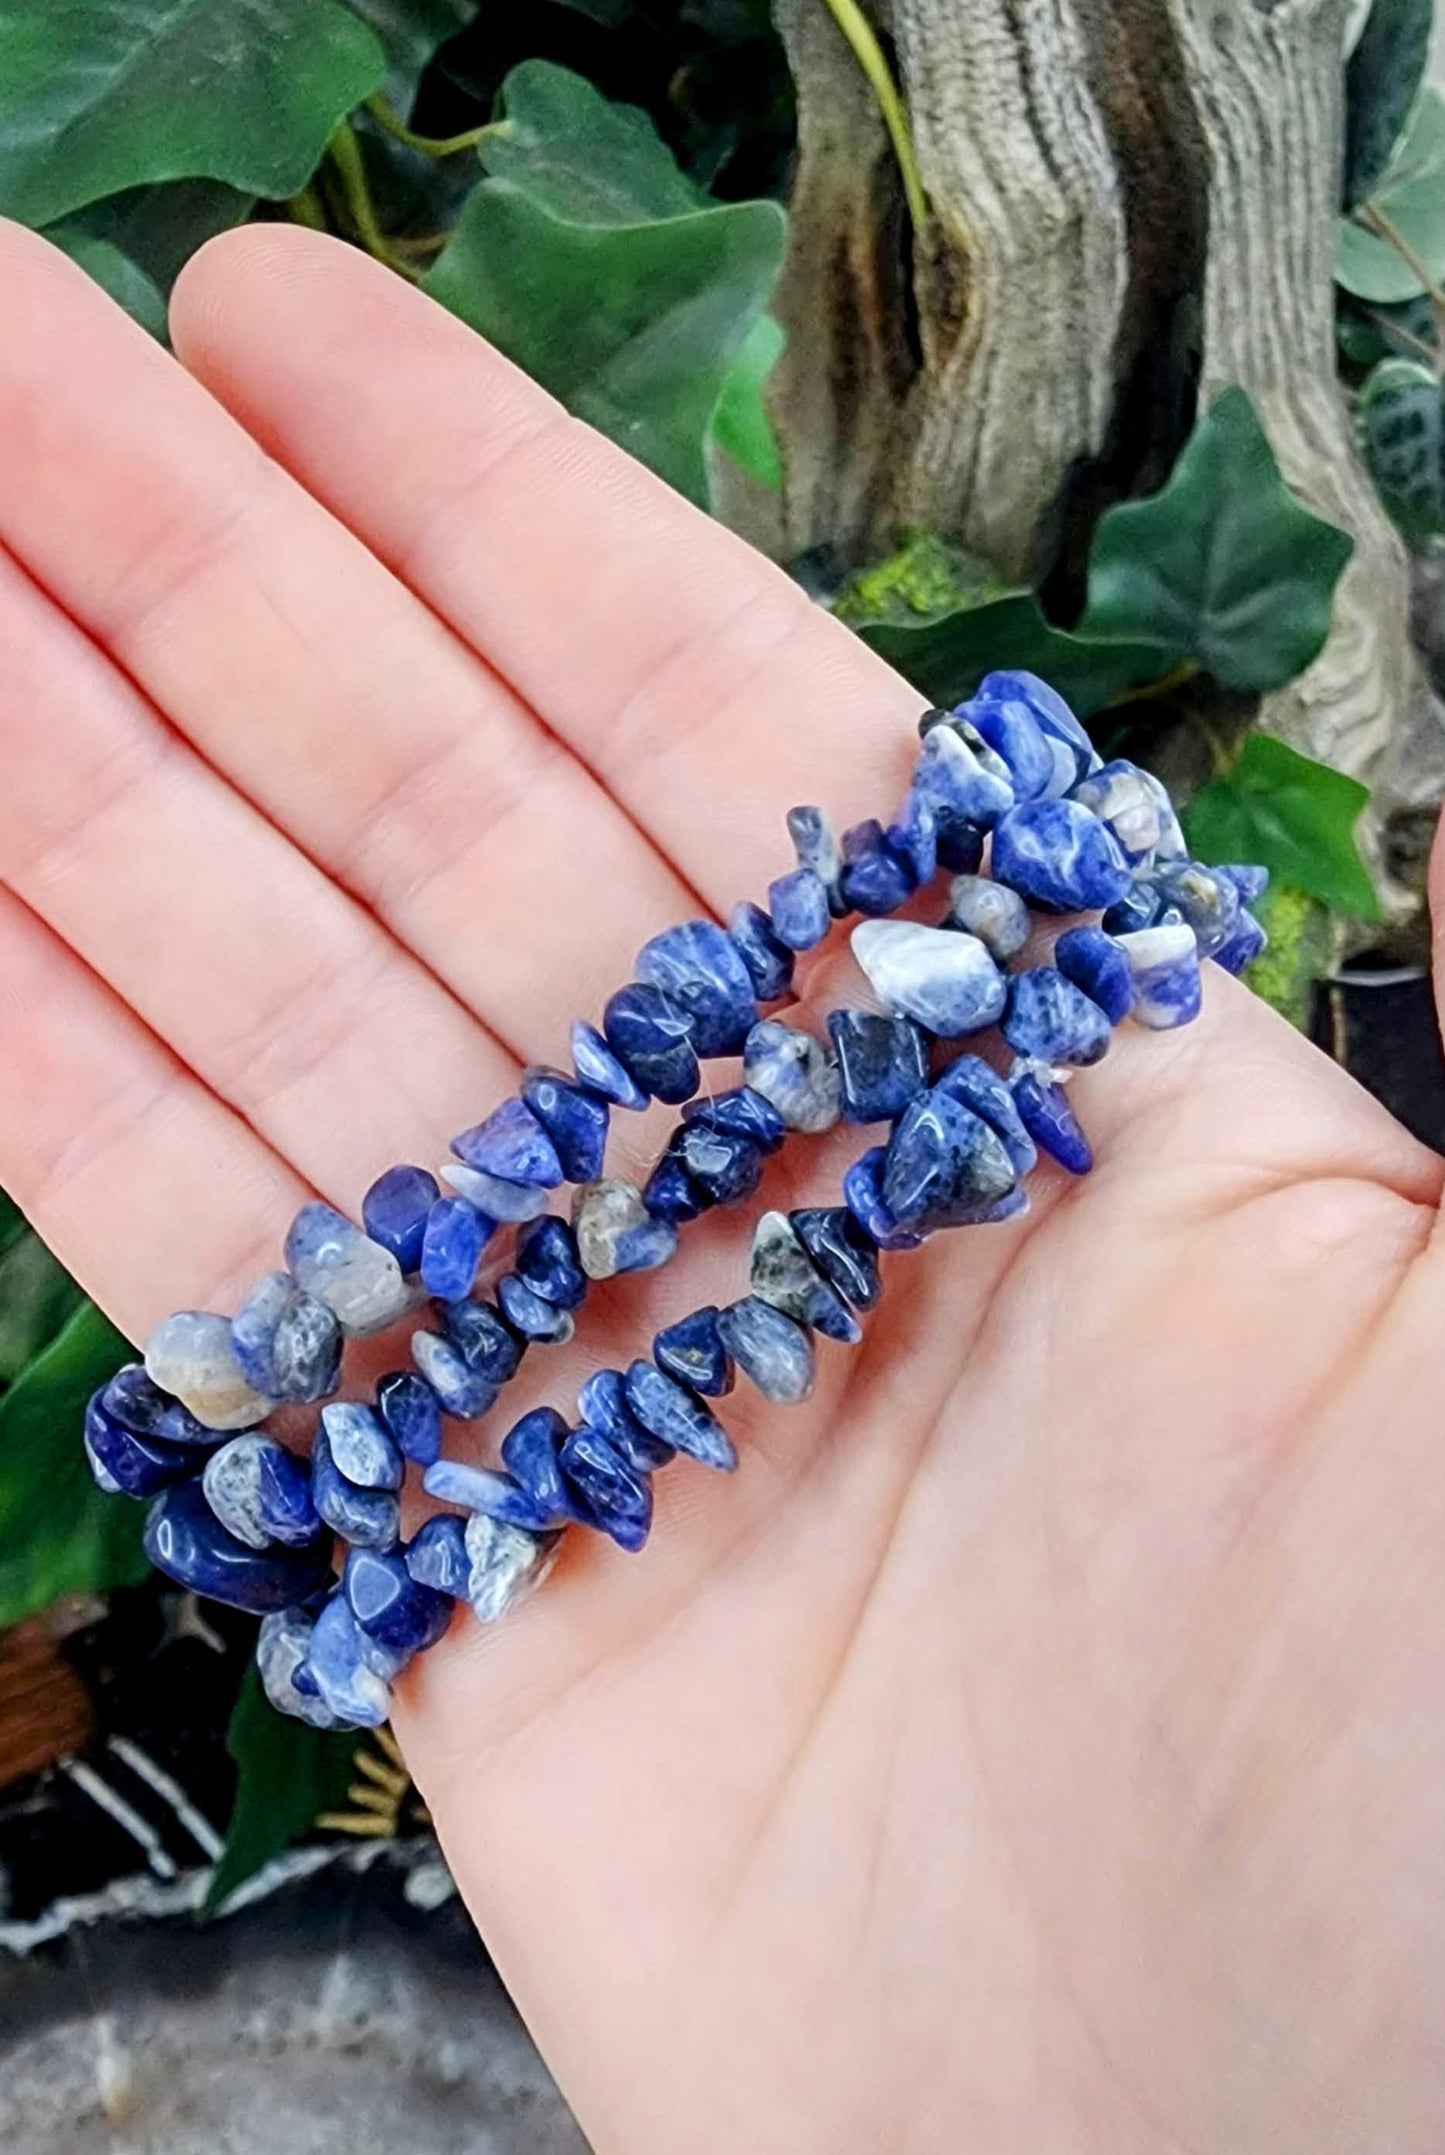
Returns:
<point x="429" y="145"/>
<point x="306" y="208"/>
<point x="861" y="36"/>
<point x="1163" y="684"/>
<point x="1428" y="352"/>
<point x="351" y="171"/>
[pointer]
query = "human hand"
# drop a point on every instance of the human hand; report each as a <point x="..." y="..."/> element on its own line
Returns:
<point x="1038" y="1744"/>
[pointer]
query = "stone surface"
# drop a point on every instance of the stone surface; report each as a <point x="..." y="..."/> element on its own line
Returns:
<point x="952" y="778"/>
<point x="671" y="1196"/>
<point x="599" y="1070"/>
<point x="651" y="1036"/>
<point x="692" y="1351"/>
<point x="723" y="1165"/>
<point x="531" y="1452"/>
<point x="547" y="1261"/>
<point x="371" y="1518"/>
<point x="610" y="1494"/>
<point x="1059" y="857"/>
<point x="878" y="877"/>
<point x="1047" y="1115"/>
<point x="944" y="980"/>
<point x="1121" y="796"/>
<point x="602" y="1404"/>
<point x="670" y="1411"/>
<point x="507" y="1564"/>
<point x="1209" y="903"/>
<point x="1247" y="943"/>
<point x="616" y="1231"/>
<point x="767" y="958"/>
<point x="512" y="1145"/>
<point x="781" y="1272"/>
<point x="190" y="1356"/>
<point x="288" y="1343"/>
<point x="1165" y="965"/>
<point x="126" y="1463"/>
<point x="361" y="1446"/>
<point x="863" y="1193"/>
<point x="740" y="1112"/>
<point x="354" y="1276"/>
<point x="771" y="1350"/>
<point x="914" y="833"/>
<point x="394" y="1210"/>
<point x="881" y="1062"/>
<point x="261" y="1493"/>
<point x="972" y="1082"/>
<point x="816" y="844"/>
<point x="992" y="912"/>
<point x="390" y="1605"/>
<point x="1000" y="712"/>
<point x="485" y="1343"/>
<point x="798" y="909"/>
<point x="489" y="1494"/>
<point x="343" y="1671"/>
<point x="184" y="1539"/>
<point x="139" y="1404"/>
<point x="943" y="1165"/>
<point x="412" y="1414"/>
<point x="281" y="1648"/>
<point x="455" y="1236"/>
<point x="461" y="1390"/>
<point x="1094" y="962"/>
<point x="698" y="967"/>
<point x="1069" y="744"/>
<point x="841" y="1251"/>
<point x="494" y="1197"/>
<point x="795" y="1073"/>
<point x="436" y="1555"/>
<point x="1050" y="1019"/>
<point x="531" y="1315"/>
<point x="574" y="1118"/>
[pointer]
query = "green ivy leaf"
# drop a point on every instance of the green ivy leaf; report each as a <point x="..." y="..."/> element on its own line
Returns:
<point x="125" y="280"/>
<point x="1412" y="196"/>
<point x="159" y="228"/>
<point x="1366" y="334"/>
<point x="1382" y="82"/>
<point x="287" y="1775"/>
<point x="37" y="1296"/>
<point x="947" y="658"/>
<point x="1400" y="419"/>
<point x="741" y="427"/>
<point x="411" y="31"/>
<point x="1293" y="815"/>
<point x="59" y="1534"/>
<point x="98" y="98"/>
<point x="1223" y="565"/>
<point x="589" y="258"/>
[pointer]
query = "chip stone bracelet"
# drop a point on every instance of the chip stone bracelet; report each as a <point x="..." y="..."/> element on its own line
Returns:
<point x="1010" y="799"/>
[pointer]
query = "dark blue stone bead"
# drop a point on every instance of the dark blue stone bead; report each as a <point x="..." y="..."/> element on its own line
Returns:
<point x="770" y="1349"/>
<point x="390" y="1606"/>
<point x="877" y="878"/>
<point x="138" y="1404"/>
<point x="527" y="1313"/>
<point x="609" y="1494"/>
<point x="461" y="1390"/>
<point x="798" y="909"/>
<point x="740" y="1113"/>
<point x="548" y="1263"/>
<point x="678" y="1416"/>
<point x="863" y="1192"/>
<point x="370" y="1518"/>
<point x="699" y="967"/>
<point x="496" y="1496"/>
<point x="530" y="1452"/>
<point x="721" y="1164"/>
<point x="126" y="1463"/>
<point x="362" y="1447"/>
<point x="844" y="1255"/>
<point x="692" y="1352"/>
<point x="1139" y="907"/>
<point x="456" y="1235"/>
<point x="671" y="1194"/>
<point x="1165" y="963"/>
<point x="956" y="783"/>
<point x="1073" y="751"/>
<point x="305" y="1349"/>
<point x="1003" y="717"/>
<point x="782" y="1274"/>
<point x="573" y="1117"/>
<point x="394" y="1211"/>
<point x="914" y="833"/>
<point x="512" y="1145"/>
<point x="1050" y="1121"/>
<point x="184" y="1539"/>
<point x="485" y="1343"/>
<point x="957" y="842"/>
<point x="615" y="1232"/>
<point x="436" y="1556"/>
<point x="768" y="960"/>
<point x="1244" y="946"/>
<point x="260" y="1493"/>
<point x="344" y="1665"/>
<point x="651" y="1036"/>
<point x="602" y="1404"/>
<point x="496" y="1199"/>
<point x="412" y="1413"/>
<point x="943" y="1165"/>
<point x="948" y="982"/>
<point x="1052" y="1021"/>
<point x="1249" y="880"/>
<point x="974" y="1085"/>
<point x="1128" y="801"/>
<point x="816" y="845"/>
<point x="1205" y="900"/>
<point x="1059" y="857"/>
<point x="1094" y="962"/>
<point x="880" y="1061"/>
<point x="599" y="1070"/>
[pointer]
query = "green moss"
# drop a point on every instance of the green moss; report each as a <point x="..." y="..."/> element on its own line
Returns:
<point x="924" y="580"/>
<point x="1303" y="948"/>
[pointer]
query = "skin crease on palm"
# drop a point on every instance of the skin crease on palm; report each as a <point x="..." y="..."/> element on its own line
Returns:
<point x="1038" y="1745"/>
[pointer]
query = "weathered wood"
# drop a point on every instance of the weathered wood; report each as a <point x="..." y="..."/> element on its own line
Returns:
<point x="45" y="1711"/>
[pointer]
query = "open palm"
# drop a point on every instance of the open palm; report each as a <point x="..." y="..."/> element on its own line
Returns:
<point x="1039" y="1744"/>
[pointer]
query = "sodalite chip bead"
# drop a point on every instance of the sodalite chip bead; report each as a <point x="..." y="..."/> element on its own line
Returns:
<point x="1009" y="797"/>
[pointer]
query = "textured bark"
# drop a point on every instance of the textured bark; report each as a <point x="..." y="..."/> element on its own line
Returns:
<point x="1132" y="204"/>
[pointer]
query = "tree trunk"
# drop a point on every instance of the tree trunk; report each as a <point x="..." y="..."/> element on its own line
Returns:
<point x="1132" y="204"/>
